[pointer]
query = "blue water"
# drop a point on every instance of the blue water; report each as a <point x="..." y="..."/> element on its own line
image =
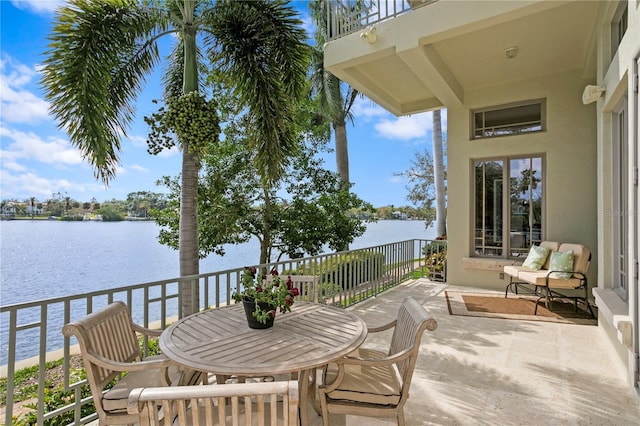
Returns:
<point x="47" y="259"/>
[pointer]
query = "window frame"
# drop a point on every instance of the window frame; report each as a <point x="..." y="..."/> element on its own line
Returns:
<point x="619" y="26"/>
<point x="505" y="251"/>
<point x="542" y="122"/>
<point x="621" y="208"/>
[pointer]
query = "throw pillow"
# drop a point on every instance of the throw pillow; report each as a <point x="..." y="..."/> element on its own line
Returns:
<point x="536" y="257"/>
<point x="561" y="261"/>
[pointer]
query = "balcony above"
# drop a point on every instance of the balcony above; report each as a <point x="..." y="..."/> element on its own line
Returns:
<point x="428" y="57"/>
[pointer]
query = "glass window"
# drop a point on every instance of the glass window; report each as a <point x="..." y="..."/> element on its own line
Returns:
<point x="508" y="220"/>
<point x="505" y="120"/>
<point x="618" y="26"/>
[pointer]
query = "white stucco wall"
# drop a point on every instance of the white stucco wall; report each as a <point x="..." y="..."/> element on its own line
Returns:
<point x="569" y="147"/>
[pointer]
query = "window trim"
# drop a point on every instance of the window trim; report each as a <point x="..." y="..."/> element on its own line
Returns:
<point x="472" y="114"/>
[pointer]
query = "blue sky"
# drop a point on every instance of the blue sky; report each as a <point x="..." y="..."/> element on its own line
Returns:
<point x="37" y="160"/>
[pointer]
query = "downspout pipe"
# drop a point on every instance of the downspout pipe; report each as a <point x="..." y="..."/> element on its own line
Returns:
<point x="635" y="131"/>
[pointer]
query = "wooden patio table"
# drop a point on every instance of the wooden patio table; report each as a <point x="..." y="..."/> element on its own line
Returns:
<point x="219" y="341"/>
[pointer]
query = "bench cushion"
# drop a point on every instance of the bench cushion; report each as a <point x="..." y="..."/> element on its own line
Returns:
<point x="539" y="278"/>
<point x="514" y="270"/>
<point x="366" y="384"/>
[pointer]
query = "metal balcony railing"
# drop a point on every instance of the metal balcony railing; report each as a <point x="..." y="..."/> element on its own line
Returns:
<point x="31" y="332"/>
<point x="348" y="16"/>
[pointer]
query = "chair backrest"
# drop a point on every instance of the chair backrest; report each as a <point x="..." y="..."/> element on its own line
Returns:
<point x="552" y="246"/>
<point x="412" y="321"/>
<point x="271" y="403"/>
<point x="106" y="333"/>
<point x="307" y="286"/>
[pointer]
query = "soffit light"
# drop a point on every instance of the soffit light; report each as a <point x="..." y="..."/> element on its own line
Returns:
<point x="369" y="34"/>
<point x="511" y="52"/>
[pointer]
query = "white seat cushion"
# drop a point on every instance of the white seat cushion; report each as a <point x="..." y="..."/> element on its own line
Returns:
<point x="366" y="384"/>
<point x="539" y="278"/>
<point x="514" y="270"/>
<point x="115" y="399"/>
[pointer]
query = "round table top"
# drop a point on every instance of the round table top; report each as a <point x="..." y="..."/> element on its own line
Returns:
<point x="219" y="341"/>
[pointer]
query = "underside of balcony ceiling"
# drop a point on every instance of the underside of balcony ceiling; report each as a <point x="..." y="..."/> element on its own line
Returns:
<point x="430" y="57"/>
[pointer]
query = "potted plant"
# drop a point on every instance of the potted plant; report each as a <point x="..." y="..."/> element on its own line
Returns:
<point x="263" y="298"/>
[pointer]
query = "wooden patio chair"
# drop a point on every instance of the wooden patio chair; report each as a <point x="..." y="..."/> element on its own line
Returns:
<point x="239" y="403"/>
<point x="110" y="350"/>
<point x="307" y="286"/>
<point x="373" y="383"/>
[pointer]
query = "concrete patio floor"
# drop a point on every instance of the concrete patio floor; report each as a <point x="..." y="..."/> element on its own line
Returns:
<point x="485" y="371"/>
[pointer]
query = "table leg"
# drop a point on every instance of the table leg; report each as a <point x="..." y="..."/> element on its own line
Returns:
<point x="303" y="388"/>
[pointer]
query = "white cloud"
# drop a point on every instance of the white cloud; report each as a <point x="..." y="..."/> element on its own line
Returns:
<point x="396" y="179"/>
<point x="29" y="146"/>
<point x="365" y="108"/>
<point x="29" y="184"/>
<point x="139" y="168"/>
<point x="18" y="104"/>
<point x="139" y="141"/>
<point x="406" y="127"/>
<point x="166" y="153"/>
<point x="38" y="6"/>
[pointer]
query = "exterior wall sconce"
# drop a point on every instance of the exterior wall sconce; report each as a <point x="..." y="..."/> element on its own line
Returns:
<point x="592" y="94"/>
<point x="369" y="34"/>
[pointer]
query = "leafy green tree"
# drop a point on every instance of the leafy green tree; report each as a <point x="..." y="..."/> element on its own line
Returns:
<point x="101" y="52"/>
<point x="420" y="184"/>
<point x="298" y="214"/>
<point x="111" y="213"/>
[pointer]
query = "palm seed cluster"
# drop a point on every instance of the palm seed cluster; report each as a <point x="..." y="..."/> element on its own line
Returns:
<point x="190" y="118"/>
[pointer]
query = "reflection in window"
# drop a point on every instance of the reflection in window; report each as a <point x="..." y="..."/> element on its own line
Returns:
<point x="505" y="120"/>
<point x="508" y="220"/>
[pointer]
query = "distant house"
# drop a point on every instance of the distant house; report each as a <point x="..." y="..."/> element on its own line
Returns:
<point x="33" y="210"/>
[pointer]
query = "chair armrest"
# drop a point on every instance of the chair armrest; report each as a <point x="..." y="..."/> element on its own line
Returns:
<point x="353" y="360"/>
<point x="382" y="327"/>
<point x="329" y="387"/>
<point x="128" y="366"/>
<point x="574" y="274"/>
<point x="146" y="331"/>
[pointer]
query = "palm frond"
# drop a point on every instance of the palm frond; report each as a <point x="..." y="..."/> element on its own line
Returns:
<point x="261" y="46"/>
<point x="95" y="66"/>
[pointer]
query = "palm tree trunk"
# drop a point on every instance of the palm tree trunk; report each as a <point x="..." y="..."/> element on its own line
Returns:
<point x="265" y="243"/>
<point x="438" y="175"/>
<point x="189" y="245"/>
<point x="342" y="151"/>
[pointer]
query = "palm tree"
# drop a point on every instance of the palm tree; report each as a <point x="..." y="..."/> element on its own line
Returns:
<point x="336" y="98"/>
<point x="101" y="51"/>
<point x="438" y="175"/>
<point x="32" y="202"/>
